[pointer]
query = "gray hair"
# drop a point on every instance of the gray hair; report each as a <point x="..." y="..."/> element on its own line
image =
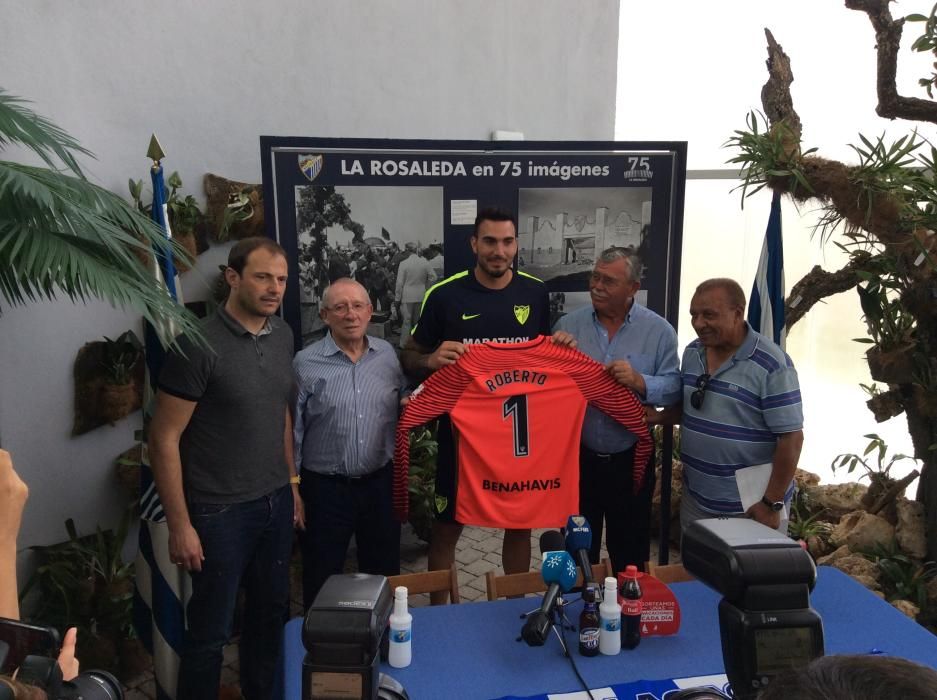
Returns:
<point x="635" y="268"/>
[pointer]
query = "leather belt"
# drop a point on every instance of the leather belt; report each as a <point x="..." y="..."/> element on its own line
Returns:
<point x="604" y="456"/>
<point x="345" y="479"/>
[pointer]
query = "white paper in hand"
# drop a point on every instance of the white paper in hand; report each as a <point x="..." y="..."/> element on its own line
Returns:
<point x="752" y="482"/>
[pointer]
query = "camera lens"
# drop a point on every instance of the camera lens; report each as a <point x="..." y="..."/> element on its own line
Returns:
<point x="95" y="685"/>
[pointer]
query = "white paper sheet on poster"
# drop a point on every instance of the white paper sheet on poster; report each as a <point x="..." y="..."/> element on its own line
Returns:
<point x="463" y="212"/>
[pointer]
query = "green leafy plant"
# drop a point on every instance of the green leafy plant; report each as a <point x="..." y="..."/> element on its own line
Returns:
<point x="879" y="468"/>
<point x="85" y="583"/>
<point x="802" y="525"/>
<point x="59" y="233"/>
<point x="926" y="42"/>
<point x="765" y="154"/>
<point x="902" y="578"/>
<point x="422" y="480"/>
<point x="184" y="213"/>
<point x="238" y="209"/>
<point x="120" y="356"/>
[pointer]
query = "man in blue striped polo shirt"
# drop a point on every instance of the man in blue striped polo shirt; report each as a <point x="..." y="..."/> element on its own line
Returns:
<point x="741" y="408"/>
<point x="349" y="387"/>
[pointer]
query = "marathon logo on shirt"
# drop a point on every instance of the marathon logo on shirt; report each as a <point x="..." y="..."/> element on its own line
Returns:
<point x="516" y="376"/>
<point x="478" y="341"/>
<point x="519" y="486"/>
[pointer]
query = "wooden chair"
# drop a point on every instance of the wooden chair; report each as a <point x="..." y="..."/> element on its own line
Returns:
<point x="429" y="582"/>
<point x="670" y="573"/>
<point x="515" y="585"/>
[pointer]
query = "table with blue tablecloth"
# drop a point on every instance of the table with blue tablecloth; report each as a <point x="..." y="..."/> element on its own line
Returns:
<point x="469" y="650"/>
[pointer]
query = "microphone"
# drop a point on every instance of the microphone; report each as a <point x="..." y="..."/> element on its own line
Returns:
<point x="578" y="543"/>
<point x="552" y="541"/>
<point x="559" y="572"/>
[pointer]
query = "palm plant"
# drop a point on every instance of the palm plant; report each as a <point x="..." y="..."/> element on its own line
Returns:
<point x="60" y="233"/>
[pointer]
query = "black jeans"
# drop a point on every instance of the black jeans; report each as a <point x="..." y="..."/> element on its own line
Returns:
<point x="243" y="542"/>
<point x="606" y="494"/>
<point x="338" y="507"/>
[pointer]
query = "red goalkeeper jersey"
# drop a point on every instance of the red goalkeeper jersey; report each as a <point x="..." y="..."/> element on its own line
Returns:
<point x="516" y="412"/>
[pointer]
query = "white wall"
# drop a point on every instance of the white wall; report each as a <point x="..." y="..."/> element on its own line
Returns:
<point x="209" y="78"/>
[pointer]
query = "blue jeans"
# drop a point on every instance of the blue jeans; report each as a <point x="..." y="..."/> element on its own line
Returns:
<point x="243" y="543"/>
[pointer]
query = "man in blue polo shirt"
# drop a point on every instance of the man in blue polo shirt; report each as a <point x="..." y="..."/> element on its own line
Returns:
<point x="640" y="350"/>
<point x="741" y="408"/>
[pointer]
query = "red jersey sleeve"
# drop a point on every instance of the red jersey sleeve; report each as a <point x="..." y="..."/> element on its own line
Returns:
<point x="435" y="396"/>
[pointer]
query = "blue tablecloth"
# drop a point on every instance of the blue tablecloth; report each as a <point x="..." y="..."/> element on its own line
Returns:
<point x="469" y="650"/>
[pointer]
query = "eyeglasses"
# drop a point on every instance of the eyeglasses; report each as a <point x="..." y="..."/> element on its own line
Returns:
<point x="605" y="280"/>
<point x="696" y="398"/>
<point x="357" y="307"/>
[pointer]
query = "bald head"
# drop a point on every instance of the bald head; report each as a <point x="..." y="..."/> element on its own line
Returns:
<point x="346" y="285"/>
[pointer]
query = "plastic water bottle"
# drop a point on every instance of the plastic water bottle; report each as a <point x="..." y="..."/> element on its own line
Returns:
<point x="631" y="609"/>
<point x="610" y="620"/>
<point x="401" y="626"/>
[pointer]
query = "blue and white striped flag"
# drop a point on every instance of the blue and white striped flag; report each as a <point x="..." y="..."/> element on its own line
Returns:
<point x="766" y="305"/>
<point x="162" y="588"/>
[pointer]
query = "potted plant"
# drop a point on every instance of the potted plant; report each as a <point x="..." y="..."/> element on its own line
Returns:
<point x="186" y="218"/>
<point x="238" y="210"/>
<point x="85" y="583"/>
<point x="127" y="466"/>
<point x="119" y="395"/>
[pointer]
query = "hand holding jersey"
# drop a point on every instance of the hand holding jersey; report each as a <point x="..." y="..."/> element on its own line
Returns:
<point x="448" y="352"/>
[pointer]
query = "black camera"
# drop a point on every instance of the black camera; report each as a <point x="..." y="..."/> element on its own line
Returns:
<point x="31" y="651"/>
<point x="765" y="620"/>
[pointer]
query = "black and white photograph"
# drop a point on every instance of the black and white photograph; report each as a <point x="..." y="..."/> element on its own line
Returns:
<point x="390" y="239"/>
<point x="561" y="231"/>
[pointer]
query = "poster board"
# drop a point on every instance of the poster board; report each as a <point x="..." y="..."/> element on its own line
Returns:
<point x="347" y="206"/>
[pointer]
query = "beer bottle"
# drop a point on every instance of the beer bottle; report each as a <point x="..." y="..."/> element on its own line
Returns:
<point x="589" y="623"/>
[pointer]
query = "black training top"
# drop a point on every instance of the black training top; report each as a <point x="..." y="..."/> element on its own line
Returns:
<point x="460" y="308"/>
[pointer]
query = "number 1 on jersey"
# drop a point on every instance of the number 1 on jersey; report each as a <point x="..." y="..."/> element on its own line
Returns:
<point x="515" y="407"/>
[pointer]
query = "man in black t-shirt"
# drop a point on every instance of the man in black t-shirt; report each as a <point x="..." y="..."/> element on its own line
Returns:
<point x="222" y="458"/>
<point x="489" y="303"/>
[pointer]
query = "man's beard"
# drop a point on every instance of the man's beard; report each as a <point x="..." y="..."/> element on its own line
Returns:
<point x="491" y="272"/>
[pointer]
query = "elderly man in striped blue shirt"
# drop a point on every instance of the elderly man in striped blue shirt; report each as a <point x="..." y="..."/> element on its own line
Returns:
<point x="741" y="408"/>
<point x="349" y="387"/>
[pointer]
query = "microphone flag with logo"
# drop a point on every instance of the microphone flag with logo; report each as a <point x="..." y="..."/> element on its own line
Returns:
<point x="578" y="543"/>
<point x="559" y="573"/>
